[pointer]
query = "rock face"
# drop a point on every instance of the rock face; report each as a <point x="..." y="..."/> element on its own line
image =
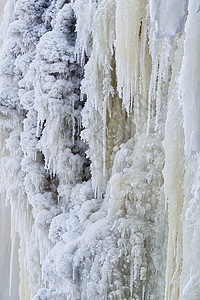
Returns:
<point x="100" y="141"/>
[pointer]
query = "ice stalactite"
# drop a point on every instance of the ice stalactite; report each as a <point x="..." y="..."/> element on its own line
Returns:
<point x="131" y="42"/>
<point x="173" y="179"/>
<point x="103" y="106"/>
<point x="84" y="10"/>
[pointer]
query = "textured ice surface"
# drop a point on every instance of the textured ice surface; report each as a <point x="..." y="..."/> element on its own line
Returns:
<point x="99" y="148"/>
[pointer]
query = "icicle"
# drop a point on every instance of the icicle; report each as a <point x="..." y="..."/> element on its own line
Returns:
<point x="24" y="291"/>
<point x="13" y="239"/>
<point x="128" y="22"/>
<point x="173" y="183"/>
<point x="143" y="292"/>
<point x="152" y="88"/>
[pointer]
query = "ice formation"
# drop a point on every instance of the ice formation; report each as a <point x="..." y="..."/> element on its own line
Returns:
<point x="99" y="149"/>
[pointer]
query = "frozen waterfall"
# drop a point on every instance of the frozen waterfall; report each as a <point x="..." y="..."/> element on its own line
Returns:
<point x="100" y="149"/>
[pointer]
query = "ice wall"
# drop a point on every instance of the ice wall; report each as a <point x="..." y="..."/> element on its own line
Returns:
<point x="100" y="147"/>
<point x="2" y="4"/>
<point x="9" y="267"/>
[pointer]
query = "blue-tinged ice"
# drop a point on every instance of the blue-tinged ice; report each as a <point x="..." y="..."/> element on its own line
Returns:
<point x="169" y="17"/>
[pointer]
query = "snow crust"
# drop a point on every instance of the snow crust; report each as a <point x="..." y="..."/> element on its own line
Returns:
<point x="99" y="156"/>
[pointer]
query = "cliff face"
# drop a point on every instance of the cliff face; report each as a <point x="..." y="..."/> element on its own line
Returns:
<point x="99" y="121"/>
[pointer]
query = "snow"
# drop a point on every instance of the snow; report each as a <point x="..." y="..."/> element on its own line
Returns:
<point x="169" y="17"/>
<point x="99" y="156"/>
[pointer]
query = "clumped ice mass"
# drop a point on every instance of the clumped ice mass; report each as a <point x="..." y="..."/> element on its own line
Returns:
<point x="99" y="155"/>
